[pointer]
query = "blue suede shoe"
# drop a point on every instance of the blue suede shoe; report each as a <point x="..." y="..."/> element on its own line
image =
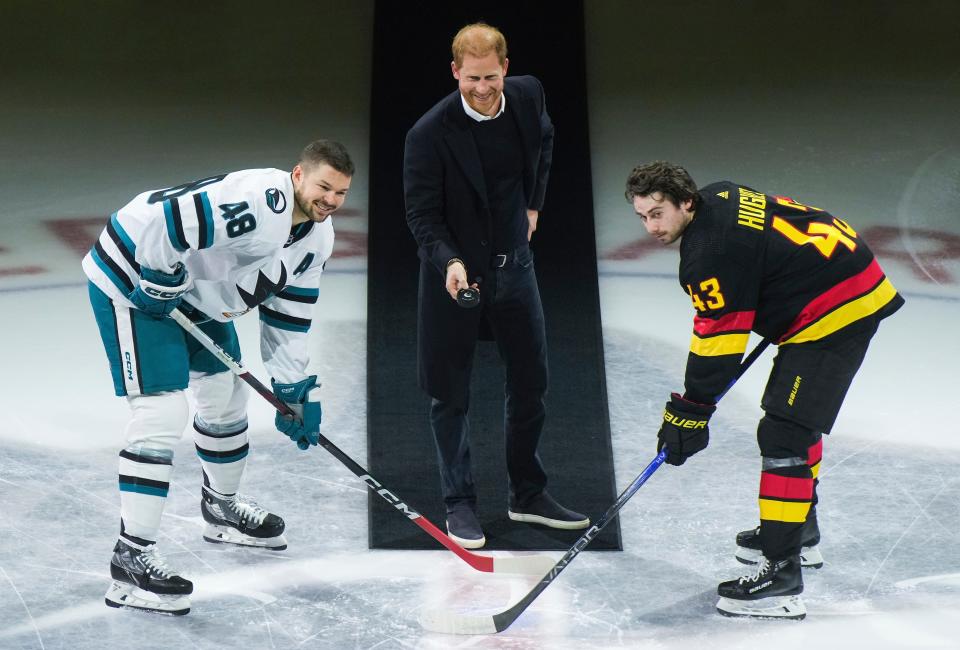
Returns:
<point x="544" y="510"/>
<point x="464" y="527"/>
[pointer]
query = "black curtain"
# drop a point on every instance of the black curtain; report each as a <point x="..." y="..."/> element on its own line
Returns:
<point x="411" y="72"/>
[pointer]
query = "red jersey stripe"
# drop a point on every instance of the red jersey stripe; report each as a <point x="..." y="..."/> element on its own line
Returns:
<point x="738" y="321"/>
<point x="850" y="288"/>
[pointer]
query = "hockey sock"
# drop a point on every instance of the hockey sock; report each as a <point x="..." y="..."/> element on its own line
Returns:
<point x="144" y="483"/>
<point x="785" y="498"/>
<point x="223" y="450"/>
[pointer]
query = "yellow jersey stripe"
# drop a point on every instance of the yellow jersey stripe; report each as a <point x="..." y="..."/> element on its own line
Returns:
<point x="715" y="346"/>
<point x="849" y="313"/>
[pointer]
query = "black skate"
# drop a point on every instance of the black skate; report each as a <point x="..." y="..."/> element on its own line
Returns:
<point x="772" y="592"/>
<point x="143" y="580"/>
<point x="749" y="551"/>
<point x="239" y="520"/>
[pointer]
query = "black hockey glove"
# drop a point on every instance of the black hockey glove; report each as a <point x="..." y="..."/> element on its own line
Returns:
<point x="684" y="431"/>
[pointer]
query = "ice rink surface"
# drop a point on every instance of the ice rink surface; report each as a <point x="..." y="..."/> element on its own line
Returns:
<point x="889" y="515"/>
<point x="890" y="478"/>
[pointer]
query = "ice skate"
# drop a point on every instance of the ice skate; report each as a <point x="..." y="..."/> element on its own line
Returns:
<point x="749" y="552"/>
<point x="143" y="580"/>
<point x="772" y="592"/>
<point x="235" y="519"/>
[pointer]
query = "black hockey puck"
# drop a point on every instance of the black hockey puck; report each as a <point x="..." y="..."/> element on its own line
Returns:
<point x="468" y="298"/>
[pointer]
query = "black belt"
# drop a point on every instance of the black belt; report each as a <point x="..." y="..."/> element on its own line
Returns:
<point x="500" y="260"/>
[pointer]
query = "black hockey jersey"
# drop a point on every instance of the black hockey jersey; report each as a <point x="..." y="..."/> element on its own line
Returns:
<point x="792" y="273"/>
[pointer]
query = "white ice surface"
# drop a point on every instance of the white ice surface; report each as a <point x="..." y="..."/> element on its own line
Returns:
<point x="889" y="515"/>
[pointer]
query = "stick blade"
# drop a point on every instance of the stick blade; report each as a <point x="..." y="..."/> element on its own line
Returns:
<point x="533" y="565"/>
<point x="446" y="622"/>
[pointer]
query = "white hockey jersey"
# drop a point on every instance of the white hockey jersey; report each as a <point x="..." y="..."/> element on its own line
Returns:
<point x="233" y="233"/>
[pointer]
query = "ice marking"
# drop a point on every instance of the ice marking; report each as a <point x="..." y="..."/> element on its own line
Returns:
<point x="33" y="623"/>
<point x="907" y="207"/>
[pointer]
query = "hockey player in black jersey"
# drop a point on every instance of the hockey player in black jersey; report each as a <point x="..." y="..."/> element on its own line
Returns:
<point x="805" y="280"/>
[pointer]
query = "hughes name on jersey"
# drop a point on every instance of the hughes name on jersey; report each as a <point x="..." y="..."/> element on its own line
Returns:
<point x="792" y="273"/>
<point x="233" y="234"/>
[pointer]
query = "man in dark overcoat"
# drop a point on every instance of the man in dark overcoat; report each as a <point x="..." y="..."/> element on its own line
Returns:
<point x="475" y="174"/>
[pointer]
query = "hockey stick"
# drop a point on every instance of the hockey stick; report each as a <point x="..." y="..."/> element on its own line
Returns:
<point x="453" y="623"/>
<point x="533" y="565"/>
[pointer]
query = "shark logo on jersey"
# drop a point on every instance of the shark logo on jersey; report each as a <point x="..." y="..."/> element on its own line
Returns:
<point x="276" y="201"/>
<point x="264" y="288"/>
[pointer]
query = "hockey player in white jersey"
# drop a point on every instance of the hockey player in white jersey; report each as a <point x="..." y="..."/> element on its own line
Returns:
<point x="216" y="248"/>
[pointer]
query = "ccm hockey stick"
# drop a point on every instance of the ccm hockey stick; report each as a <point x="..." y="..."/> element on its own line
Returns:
<point x="533" y="565"/>
<point x="453" y="623"/>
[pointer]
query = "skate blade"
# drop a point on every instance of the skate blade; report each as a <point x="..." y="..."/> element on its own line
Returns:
<point x="226" y="535"/>
<point x="810" y="558"/>
<point x="748" y="555"/>
<point x="126" y="596"/>
<point x="781" y="607"/>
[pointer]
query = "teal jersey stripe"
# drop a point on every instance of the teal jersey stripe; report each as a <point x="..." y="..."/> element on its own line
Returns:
<point x="131" y="247"/>
<point x="95" y="255"/>
<point x="300" y="291"/>
<point x="143" y="489"/>
<point x="282" y="325"/>
<point x="223" y="459"/>
<point x="207" y="216"/>
<point x="172" y="226"/>
<point x="299" y="294"/>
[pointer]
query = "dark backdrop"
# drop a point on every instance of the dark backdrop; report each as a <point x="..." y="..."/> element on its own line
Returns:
<point x="411" y="72"/>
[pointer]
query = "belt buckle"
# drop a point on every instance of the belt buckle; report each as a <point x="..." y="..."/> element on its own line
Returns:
<point x="501" y="261"/>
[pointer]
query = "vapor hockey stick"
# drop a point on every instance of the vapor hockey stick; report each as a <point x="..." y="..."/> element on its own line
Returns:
<point x="454" y="623"/>
<point x="533" y="565"/>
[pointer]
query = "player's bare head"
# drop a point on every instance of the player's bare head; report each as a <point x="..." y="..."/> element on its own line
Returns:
<point x="672" y="181"/>
<point x="478" y="40"/>
<point x="321" y="180"/>
<point x="326" y="152"/>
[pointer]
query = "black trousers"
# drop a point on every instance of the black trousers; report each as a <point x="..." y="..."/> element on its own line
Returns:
<point x="511" y="304"/>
